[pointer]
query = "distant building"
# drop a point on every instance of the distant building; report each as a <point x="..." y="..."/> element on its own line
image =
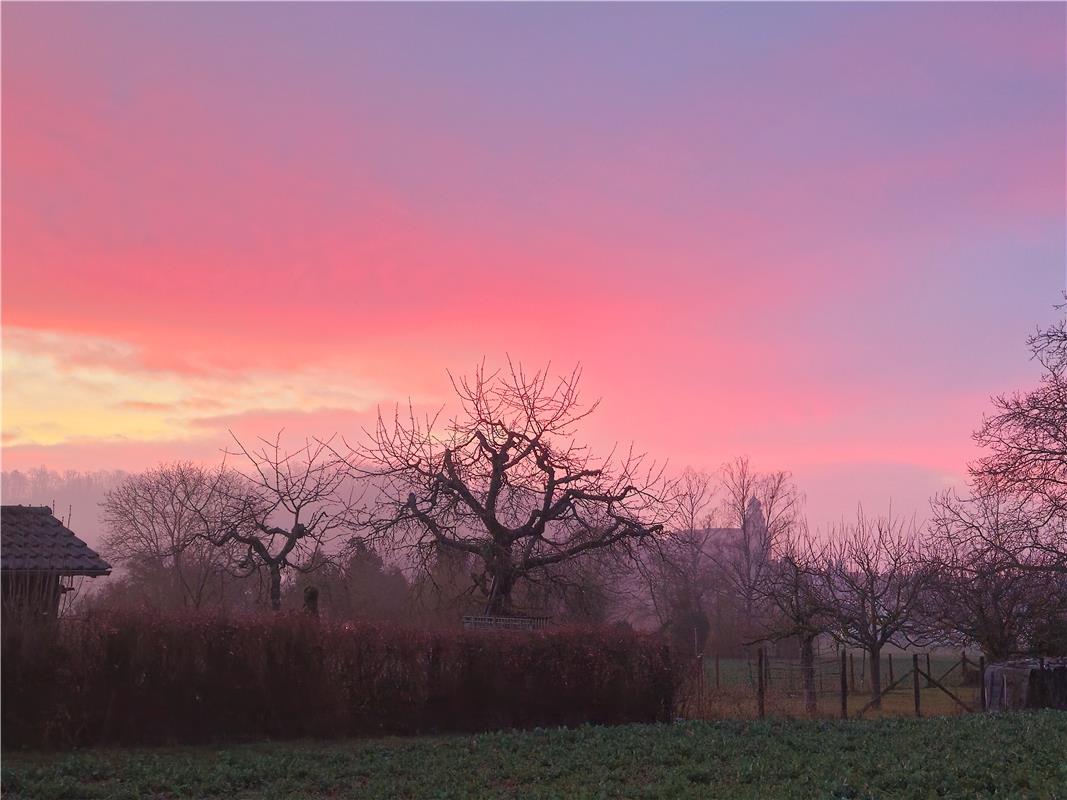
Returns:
<point x="39" y="556"/>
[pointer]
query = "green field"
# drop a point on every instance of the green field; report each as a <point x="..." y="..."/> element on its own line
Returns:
<point x="1020" y="755"/>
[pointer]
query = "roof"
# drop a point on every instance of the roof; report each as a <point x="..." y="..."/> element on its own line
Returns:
<point x="32" y="540"/>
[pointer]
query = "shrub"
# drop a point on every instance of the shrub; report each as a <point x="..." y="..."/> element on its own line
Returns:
<point x="151" y="680"/>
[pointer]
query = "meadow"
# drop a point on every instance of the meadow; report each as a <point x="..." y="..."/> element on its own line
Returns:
<point x="1022" y="755"/>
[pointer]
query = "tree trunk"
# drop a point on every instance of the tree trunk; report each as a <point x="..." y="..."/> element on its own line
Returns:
<point x="807" y="668"/>
<point x="499" y="600"/>
<point x="275" y="587"/>
<point x="502" y="574"/>
<point x="876" y="675"/>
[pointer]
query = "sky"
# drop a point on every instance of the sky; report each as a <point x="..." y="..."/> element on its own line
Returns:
<point x="816" y="235"/>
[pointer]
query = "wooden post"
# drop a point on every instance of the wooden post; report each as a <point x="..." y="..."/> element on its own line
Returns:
<point x="759" y="684"/>
<point x="915" y="682"/>
<point x="981" y="677"/>
<point x="852" y="671"/>
<point x="890" y="667"/>
<point x="1042" y="684"/>
<point x="863" y="668"/>
<point x="717" y="684"/>
<point x="668" y="698"/>
<point x="929" y="672"/>
<point x="844" y="688"/>
<point x="963" y="665"/>
<point x="700" y="680"/>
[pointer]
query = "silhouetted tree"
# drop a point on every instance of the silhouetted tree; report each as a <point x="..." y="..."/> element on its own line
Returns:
<point x="873" y="582"/>
<point x="762" y="508"/>
<point x="680" y="573"/>
<point x="154" y="526"/>
<point x="1026" y="459"/>
<point x="981" y="591"/>
<point x="504" y="483"/>
<point x="291" y="507"/>
<point x="798" y="605"/>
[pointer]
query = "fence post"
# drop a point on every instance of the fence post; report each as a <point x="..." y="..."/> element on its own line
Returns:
<point x="915" y="681"/>
<point x="890" y="668"/>
<point x="929" y="672"/>
<point x="981" y="679"/>
<point x="844" y="688"/>
<point x="963" y="665"/>
<point x="852" y="671"/>
<point x="700" y="681"/>
<point x="863" y="668"/>
<point x="759" y="683"/>
<point x="668" y="699"/>
<point x="1041" y="683"/>
<point x="716" y="670"/>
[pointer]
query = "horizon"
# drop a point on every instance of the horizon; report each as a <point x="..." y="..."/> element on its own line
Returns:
<point x="816" y="236"/>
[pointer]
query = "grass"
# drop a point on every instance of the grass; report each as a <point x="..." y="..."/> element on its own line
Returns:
<point x="1020" y="755"/>
<point x="736" y="697"/>
<point x="739" y="703"/>
<point x="741" y="671"/>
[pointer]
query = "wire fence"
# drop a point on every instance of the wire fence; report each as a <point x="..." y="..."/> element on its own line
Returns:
<point x="841" y="685"/>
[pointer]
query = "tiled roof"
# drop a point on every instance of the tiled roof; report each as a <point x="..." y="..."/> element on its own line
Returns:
<point x="31" y="539"/>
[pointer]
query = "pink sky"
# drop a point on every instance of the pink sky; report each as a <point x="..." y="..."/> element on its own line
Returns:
<point x="817" y="235"/>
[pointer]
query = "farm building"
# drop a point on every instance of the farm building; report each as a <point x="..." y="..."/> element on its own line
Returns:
<point x="39" y="557"/>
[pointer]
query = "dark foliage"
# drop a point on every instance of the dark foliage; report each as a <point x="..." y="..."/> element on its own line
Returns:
<point x="144" y="680"/>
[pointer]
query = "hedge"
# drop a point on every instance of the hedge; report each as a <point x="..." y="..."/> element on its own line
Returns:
<point x="156" y="680"/>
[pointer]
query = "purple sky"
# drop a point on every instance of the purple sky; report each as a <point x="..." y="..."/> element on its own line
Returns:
<point x="814" y="234"/>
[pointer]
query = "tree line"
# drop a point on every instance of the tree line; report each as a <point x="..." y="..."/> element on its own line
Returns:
<point x="499" y="509"/>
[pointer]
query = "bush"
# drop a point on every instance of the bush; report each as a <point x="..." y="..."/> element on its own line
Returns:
<point x="153" y="680"/>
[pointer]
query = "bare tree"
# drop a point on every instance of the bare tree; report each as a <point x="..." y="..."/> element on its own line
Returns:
<point x="680" y="573"/>
<point x="792" y="591"/>
<point x="1026" y="443"/>
<point x="695" y="493"/>
<point x="154" y="521"/>
<point x="874" y="581"/>
<point x="293" y="506"/>
<point x="982" y="589"/>
<point x="763" y="508"/>
<point x="505" y="483"/>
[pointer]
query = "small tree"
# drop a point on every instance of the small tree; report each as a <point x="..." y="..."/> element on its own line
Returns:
<point x="680" y="572"/>
<point x="154" y="521"/>
<point x="982" y="589"/>
<point x="763" y="508"/>
<point x="290" y="508"/>
<point x="874" y="581"/>
<point x="798" y="606"/>
<point x="504" y="482"/>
